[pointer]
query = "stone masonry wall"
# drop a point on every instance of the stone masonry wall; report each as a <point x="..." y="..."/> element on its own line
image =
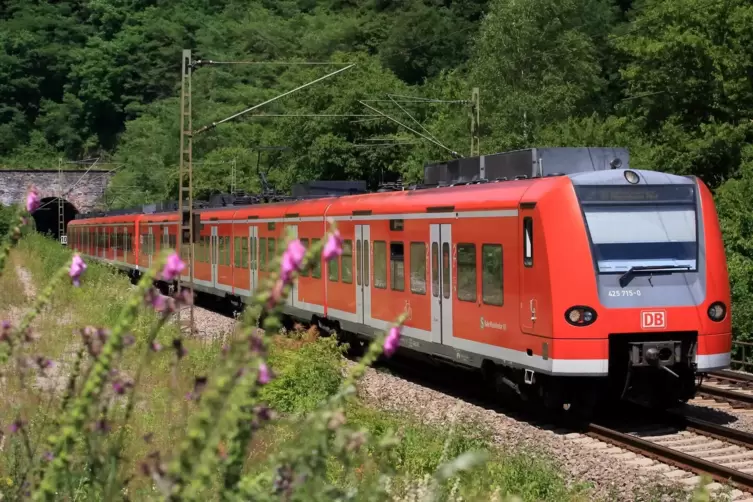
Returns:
<point x="83" y="193"/>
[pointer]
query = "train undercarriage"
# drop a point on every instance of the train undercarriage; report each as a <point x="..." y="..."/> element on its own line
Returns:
<point x="654" y="369"/>
<point x="657" y="370"/>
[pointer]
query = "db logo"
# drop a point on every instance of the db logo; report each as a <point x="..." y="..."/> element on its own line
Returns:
<point x="653" y="319"/>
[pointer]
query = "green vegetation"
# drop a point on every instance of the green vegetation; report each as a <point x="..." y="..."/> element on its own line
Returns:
<point x="321" y="431"/>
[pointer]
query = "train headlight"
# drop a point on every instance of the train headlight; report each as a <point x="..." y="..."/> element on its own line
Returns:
<point x="580" y="315"/>
<point x="632" y="177"/>
<point x="717" y="311"/>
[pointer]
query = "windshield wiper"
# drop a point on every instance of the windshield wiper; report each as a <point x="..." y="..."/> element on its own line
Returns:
<point x="649" y="269"/>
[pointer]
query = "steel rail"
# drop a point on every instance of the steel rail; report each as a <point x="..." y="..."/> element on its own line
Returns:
<point x="726" y="394"/>
<point x="669" y="456"/>
<point x="734" y="376"/>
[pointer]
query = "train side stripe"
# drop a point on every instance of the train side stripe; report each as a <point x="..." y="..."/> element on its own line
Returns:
<point x="708" y="362"/>
<point x="502" y="213"/>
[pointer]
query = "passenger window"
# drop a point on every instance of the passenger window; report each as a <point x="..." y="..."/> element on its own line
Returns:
<point x="316" y="270"/>
<point x="380" y="264"/>
<point x="366" y="259"/>
<point x="467" y="272"/>
<point x="227" y="251"/>
<point x="435" y="269"/>
<point x="418" y="268"/>
<point x="359" y="261"/>
<point x="244" y="252"/>
<point x="528" y="241"/>
<point x="492" y="279"/>
<point x="237" y="251"/>
<point x="347" y="262"/>
<point x="334" y="270"/>
<point x="271" y="255"/>
<point x="305" y="243"/>
<point x="397" y="266"/>
<point x="446" y="270"/>
<point x="254" y="263"/>
<point x="263" y="253"/>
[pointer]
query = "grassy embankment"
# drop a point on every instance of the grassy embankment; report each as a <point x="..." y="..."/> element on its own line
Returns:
<point x="308" y="369"/>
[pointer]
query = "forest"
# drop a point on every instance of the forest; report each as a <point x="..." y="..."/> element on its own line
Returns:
<point x="671" y="80"/>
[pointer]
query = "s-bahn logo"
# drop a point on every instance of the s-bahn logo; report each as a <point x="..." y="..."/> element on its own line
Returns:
<point x="492" y="325"/>
<point x="653" y="319"/>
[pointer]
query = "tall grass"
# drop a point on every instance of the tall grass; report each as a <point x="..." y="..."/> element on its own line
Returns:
<point x="129" y="410"/>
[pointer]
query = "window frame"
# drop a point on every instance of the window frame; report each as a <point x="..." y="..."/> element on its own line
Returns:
<point x="501" y="277"/>
<point x="528" y="241"/>
<point x="347" y="244"/>
<point x="461" y="270"/>
<point x="383" y="245"/>
<point x="415" y="257"/>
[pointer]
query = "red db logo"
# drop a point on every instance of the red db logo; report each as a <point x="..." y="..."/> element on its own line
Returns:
<point x="653" y="319"/>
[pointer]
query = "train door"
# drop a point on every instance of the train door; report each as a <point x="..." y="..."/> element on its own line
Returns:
<point x="213" y="245"/>
<point x="527" y="278"/>
<point x="253" y="269"/>
<point x="441" y="282"/>
<point x="363" y="274"/>
<point x="293" y="297"/>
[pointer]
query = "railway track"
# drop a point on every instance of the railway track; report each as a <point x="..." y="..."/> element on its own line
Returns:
<point x="733" y="388"/>
<point x="680" y="448"/>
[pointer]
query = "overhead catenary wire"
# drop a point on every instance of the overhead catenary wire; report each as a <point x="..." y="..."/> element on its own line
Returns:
<point x="243" y="112"/>
<point x="201" y="62"/>
<point x="416" y="121"/>
<point x="454" y="153"/>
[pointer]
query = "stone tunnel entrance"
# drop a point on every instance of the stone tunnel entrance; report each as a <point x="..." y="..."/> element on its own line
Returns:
<point x="46" y="217"/>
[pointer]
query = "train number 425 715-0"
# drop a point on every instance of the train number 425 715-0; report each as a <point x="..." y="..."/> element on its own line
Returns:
<point x="624" y="292"/>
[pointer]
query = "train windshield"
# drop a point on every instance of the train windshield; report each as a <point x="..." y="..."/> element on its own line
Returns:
<point x="643" y="225"/>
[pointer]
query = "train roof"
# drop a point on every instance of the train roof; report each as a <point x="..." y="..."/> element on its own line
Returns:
<point x="499" y="180"/>
<point x="471" y="197"/>
<point x="461" y="198"/>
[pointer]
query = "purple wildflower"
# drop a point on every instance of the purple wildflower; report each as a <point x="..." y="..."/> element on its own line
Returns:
<point x="32" y="200"/>
<point x="15" y="426"/>
<point x="118" y="387"/>
<point x="48" y="456"/>
<point x="180" y="350"/>
<point x="334" y="246"/>
<point x="102" y="425"/>
<point x="5" y="331"/>
<point x="256" y="343"/>
<point x="392" y="341"/>
<point x="276" y="295"/>
<point x="155" y="346"/>
<point x="292" y="260"/>
<point x="263" y="413"/>
<point x="173" y="267"/>
<point x="264" y="375"/>
<point x="198" y="387"/>
<point x="77" y="268"/>
<point x="44" y="362"/>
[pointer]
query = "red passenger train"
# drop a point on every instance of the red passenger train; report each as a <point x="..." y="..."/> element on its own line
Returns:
<point x="563" y="286"/>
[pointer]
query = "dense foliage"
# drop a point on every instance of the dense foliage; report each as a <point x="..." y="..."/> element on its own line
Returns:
<point x="669" y="79"/>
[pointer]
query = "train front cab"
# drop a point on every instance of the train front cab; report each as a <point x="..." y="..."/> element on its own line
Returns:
<point x="640" y="291"/>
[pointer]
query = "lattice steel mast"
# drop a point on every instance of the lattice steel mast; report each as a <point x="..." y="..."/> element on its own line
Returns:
<point x="185" y="195"/>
